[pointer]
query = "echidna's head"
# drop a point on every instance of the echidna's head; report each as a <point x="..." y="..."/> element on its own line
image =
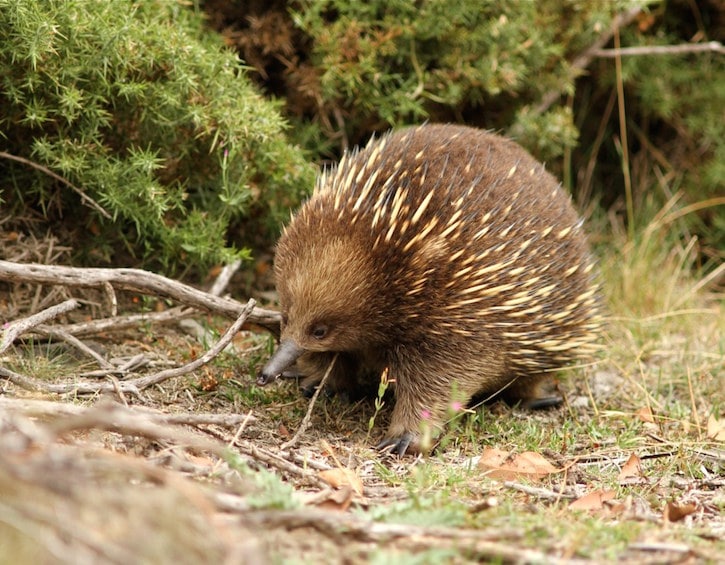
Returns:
<point x="326" y="285"/>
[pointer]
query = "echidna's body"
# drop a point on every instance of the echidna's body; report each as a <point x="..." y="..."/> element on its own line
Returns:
<point x="444" y="253"/>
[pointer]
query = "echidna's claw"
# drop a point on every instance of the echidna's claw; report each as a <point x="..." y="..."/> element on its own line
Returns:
<point x="398" y="445"/>
<point x="543" y="402"/>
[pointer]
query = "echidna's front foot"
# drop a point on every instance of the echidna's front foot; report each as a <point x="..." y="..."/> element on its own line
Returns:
<point x="308" y="391"/>
<point x="398" y="444"/>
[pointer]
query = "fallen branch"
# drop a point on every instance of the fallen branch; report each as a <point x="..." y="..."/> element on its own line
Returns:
<point x="133" y="386"/>
<point x="115" y="418"/>
<point x="135" y="280"/>
<point x="120" y="323"/>
<point x="75" y="342"/>
<point x="222" y="281"/>
<point x="48" y="408"/>
<point x="19" y="327"/>
<point x="278" y="462"/>
<point x="345" y="528"/>
<point x="224" y="340"/>
<point x="538" y="492"/>
<point x="151" y="424"/>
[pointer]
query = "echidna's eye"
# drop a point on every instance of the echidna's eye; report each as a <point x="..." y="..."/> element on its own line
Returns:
<point x="319" y="331"/>
<point x="285" y="319"/>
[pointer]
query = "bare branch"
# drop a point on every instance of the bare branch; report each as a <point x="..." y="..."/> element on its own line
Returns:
<point x="583" y="60"/>
<point x="19" y="327"/>
<point x="75" y="342"/>
<point x="120" y="323"/>
<point x="145" y="382"/>
<point x="48" y="408"/>
<point x="224" y="277"/>
<point x="135" y="385"/>
<point x="344" y="528"/>
<point x="684" y="48"/>
<point x="113" y="417"/>
<point x="85" y="199"/>
<point x="135" y="280"/>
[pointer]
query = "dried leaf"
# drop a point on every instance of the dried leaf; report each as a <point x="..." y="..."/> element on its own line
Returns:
<point x="338" y="499"/>
<point x="337" y="478"/>
<point x="283" y="431"/>
<point x="632" y="468"/>
<point x="674" y="513"/>
<point x="504" y="466"/>
<point x="619" y="508"/>
<point x="200" y="460"/>
<point x="715" y="428"/>
<point x="593" y="501"/>
<point x="644" y="414"/>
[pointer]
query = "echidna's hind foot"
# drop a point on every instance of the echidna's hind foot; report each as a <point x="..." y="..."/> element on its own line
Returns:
<point x="532" y="392"/>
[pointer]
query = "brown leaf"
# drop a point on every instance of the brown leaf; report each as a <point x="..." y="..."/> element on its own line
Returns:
<point x="593" y="501"/>
<point x="504" y="466"/>
<point x="632" y="468"/>
<point x="674" y="513"/>
<point x="644" y="414"/>
<point x="283" y="431"/>
<point x="337" y="478"/>
<point x="715" y="428"/>
<point x="200" y="460"/>
<point x="338" y="499"/>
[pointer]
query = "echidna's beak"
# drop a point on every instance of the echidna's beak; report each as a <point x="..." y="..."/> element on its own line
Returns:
<point x="287" y="353"/>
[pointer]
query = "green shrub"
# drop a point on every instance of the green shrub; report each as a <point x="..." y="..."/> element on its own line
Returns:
<point x="392" y="62"/>
<point x="140" y="108"/>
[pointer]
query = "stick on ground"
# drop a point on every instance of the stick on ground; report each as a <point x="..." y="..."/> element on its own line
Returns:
<point x="19" y="327"/>
<point x="306" y="420"/>
<point x="136" y="280"/>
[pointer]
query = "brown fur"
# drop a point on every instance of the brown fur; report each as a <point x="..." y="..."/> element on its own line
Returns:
<point x="487" y="287"/>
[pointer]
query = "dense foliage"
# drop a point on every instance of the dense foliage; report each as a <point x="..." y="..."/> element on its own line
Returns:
<point x="140" y="108"/>
<point x="487" y="61"/>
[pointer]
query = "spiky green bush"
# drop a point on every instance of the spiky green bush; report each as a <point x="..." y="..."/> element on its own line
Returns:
<point x="141" y="109"/>
<point x="392" y="62"/>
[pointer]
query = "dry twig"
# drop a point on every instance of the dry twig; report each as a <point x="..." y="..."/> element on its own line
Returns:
<point x="123" y="322"/>
<point x="75" y="342"/>
<point x="134" y="385"/>
<point x="48" y="408"/>
<point x="308" y="416"/>
<point x="583" y="60"/>
<point x="19" y="327"/>
<point x="222" y="281"/>
<point x="684" y="48"/>
<point x="85" y="199"/>
<point x="136" y="280"/>
<point x="344" y="528"/>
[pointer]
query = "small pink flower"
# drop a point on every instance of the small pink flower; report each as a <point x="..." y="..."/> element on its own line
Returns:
<point x="456" y="406"/>
<point x="425" y="414"/>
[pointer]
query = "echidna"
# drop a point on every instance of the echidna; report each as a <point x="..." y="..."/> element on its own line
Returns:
<point x="444" y="254"/>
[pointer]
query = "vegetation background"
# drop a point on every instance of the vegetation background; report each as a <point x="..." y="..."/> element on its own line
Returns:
<point x="177" y="136"/>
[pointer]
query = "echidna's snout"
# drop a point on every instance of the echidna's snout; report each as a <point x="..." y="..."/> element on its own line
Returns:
<point x="287" y="353"/>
